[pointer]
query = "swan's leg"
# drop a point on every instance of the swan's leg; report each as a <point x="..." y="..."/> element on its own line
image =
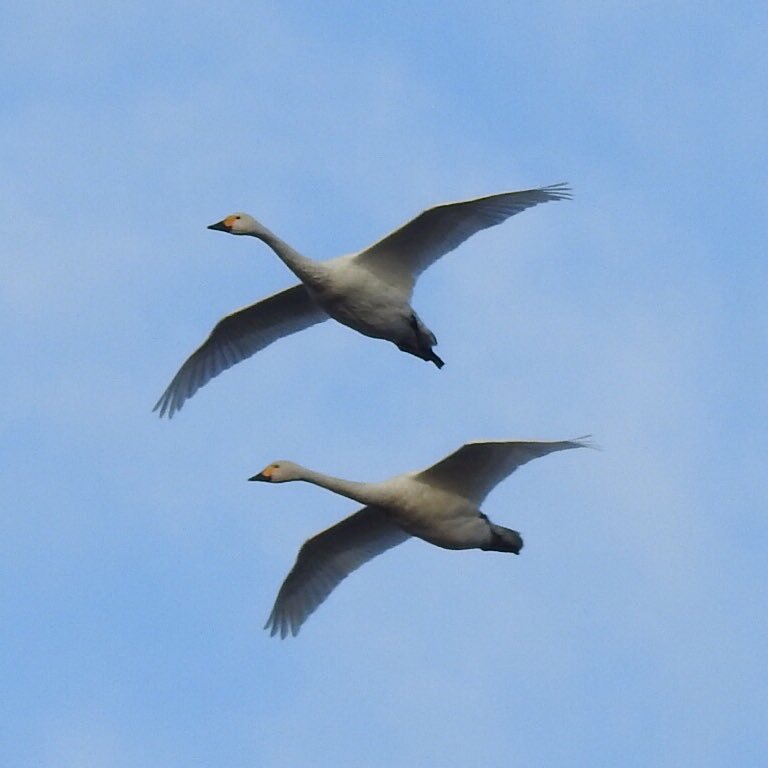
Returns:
<point x="425" y="340"/>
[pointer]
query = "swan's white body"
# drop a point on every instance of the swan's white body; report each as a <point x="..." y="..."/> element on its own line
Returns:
<point x="369" y="291"/>
<point x="440" y="504"/>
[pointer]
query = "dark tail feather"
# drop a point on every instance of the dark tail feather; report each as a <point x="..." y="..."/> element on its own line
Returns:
<point x="504" y="540"/>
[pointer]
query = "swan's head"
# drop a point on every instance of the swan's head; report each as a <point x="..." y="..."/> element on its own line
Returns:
<point x="238" y="224"/>
<point x="279" y="472"/>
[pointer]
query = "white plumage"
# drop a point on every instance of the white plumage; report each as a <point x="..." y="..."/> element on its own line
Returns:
<point x="369" y="291"/>
<point x="440" y="504"/>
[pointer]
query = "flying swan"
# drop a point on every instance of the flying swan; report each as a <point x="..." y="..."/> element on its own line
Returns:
<point x="440" y="504"/>
<point x="369" y="291"/>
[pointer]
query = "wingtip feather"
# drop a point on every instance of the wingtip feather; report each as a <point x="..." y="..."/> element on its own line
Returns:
<point x="586" y="441"/>
<point x="560" y="191"/>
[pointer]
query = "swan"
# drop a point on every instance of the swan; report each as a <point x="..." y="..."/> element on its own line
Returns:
<point x="440" y="504"/>
<point x="369" y="291"/>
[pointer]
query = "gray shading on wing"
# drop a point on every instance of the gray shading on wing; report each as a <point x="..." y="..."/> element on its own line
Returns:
<point x="409" y="250"/>
<point x="325" y="560"/>
<point x="238" y="336"/>
<point x="476" y="468"/>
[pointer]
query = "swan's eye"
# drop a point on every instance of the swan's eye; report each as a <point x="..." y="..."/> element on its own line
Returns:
<point x="237" y="217"/>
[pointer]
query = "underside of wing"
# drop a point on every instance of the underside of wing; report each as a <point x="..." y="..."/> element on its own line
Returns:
<point x="409" y="250"/>
<point x="476" y="468"/>
<point x="325" y="560"/>
<point x="237" y="337"/>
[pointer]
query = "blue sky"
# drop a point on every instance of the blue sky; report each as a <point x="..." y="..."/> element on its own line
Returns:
<point x="137" y="565"/>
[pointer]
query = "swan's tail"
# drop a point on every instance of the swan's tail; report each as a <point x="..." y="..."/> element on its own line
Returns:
<point x="503" y="540"/>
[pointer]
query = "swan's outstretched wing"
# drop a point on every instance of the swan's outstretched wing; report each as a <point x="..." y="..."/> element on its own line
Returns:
<point x="327" y="559"/>
<point x="238" y="336"/>
<point x="476" y="468"/>
<point x="409" y="250"/>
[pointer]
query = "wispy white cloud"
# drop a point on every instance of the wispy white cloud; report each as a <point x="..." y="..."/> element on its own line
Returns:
<point x="137" y="547"/>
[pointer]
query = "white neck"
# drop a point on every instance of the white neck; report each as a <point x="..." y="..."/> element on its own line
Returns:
<point x="365" y="493"/>
<point x="305" y="269"/>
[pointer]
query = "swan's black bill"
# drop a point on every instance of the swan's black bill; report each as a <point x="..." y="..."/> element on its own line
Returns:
<point x="220" y="226"/>
<point x="261" y="476"/>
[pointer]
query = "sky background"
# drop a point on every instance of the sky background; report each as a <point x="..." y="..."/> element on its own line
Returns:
<point x="137" y="565"/>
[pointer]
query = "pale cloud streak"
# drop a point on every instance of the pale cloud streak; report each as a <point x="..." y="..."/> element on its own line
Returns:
<point x="137" y="548"/>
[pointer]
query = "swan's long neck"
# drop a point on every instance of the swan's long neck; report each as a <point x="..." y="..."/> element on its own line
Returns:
<point x="305" y="269"/>
<point x="365" y="493"/>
